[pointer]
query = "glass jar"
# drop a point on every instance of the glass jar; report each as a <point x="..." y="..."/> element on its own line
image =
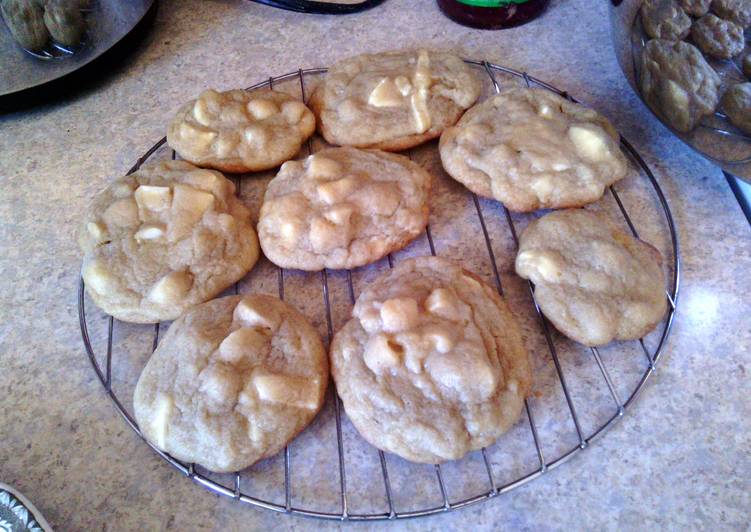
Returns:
<point x="492" y="14"/>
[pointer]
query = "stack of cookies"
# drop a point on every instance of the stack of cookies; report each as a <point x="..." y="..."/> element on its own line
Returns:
<point x="432" y="364"/>
<point x="677" y="80"/>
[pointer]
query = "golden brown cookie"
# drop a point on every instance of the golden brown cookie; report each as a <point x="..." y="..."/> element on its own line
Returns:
<point x="393" y="100"/>
<point x="240" y="131"/>
<point x="432" y="364"/>
<point x="232" y="382"/>
<point x="163" y="239"/>
<point x="342" y="208"/>
<point x="594" y="282"/>
<point x="532" y="149"/>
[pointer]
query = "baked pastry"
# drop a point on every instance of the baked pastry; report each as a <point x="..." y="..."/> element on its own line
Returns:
<point x="432" y="364"/>
<point x="696" y="8"/>
<point x="232" y="382"/>
<point x="678" y="83"/>
<point x="163" y="239"/>
<point x="342" y="208"/>
<point x="736" y="103"/>
<point x="717" y="37"/>
<point x="393" y="100"/>
<point x="594" y="282"/>
<point x="64" y="21"/>
<point x="739" y="11"/>
<point x="532" y="149"/>
<point x="664" y="19"/>
<point x="746" y="65"/>
<point x="240" y="131"/>
<point x="25" y="20"/>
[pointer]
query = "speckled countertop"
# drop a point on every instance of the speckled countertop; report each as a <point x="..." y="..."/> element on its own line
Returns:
<point x="681" y="457"/>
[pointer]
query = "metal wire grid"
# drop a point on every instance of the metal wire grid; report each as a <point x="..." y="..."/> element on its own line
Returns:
<point x="493" y="489"/>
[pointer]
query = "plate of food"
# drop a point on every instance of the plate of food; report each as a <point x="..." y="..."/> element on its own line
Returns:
<point x="389" y="288"/>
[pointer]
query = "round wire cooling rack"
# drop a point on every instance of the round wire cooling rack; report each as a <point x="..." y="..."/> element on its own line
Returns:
<point x="555" y="425"/>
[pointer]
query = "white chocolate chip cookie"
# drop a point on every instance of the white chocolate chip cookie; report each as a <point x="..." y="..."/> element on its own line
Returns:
<point x="232" y="382"/>
<point x="664" y="19"/>
<point x="594" y="282"/>
<point x="532" y="149"/>
<point x="342" y="208"/>
<point x="432" y="364"/>
<point x="393" y="100"/>
<point x="697" y="8"/>
<point x="240" y="131"/>
<point x="678" y="83"/>
<point x="163" y="239"/>
<point x="717" y="37"/>
<point x="736" y="102"/>
<point x="739" y="11"/>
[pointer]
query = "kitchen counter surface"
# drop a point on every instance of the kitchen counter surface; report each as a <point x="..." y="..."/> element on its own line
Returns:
<point x="680" y="459"/>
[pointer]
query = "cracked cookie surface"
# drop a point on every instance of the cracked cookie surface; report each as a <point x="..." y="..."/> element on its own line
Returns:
<point x="163" y="239"/>
<point x="393" y="100"/>
<point x="240" y="131"/>
<point x="717" y="37"/>
<point x="342" y="208"/>
<point x="533" y="149"/>
<point x="432" y="364"/>
<point x="594" y="282"/>
<point x="664" y="19"/>
<point x="232" y="382"/>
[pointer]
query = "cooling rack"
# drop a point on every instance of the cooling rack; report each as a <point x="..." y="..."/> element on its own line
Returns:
<point x="576" y="397"/>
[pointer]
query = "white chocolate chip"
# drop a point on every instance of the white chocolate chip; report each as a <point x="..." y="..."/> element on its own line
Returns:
<point x="590" y="142"/>
<point x="122" y="213"/>
<point x="290" y="231"/>
<point x="542" y="186"/>
<point x="255" y="135"/>
<point x="320" y="167"/>
<point x="224" y="145"/>
<point x="262" y="109"/>
<point x="205" y="180"/>
<point x="403" y="84"/>
<point x="97" y="277"/>
<point x="382" y="354"/>
<point x="249" y="314"/>
<point x="153" y="198"/>
<point x="339" y="214"/>
<point x="421" y="81"/>
<point x="399" y="314"/>
<point x="297" y="392"/>
<point x="293" y="111"/>
<point x="200" y="136"/>
<point x="243" y="343"/>
<point x="545" y="111"/>
<point x="386" y="94"/>
<point x="439" y="337"/>
<point x="162" y="408"/>
<point x="150" y="232"/>
<point x="191" y="202"/>
<point x="201" y="112"/>
<point x="543" y="264"/>
<point x="332" y="192"/>
<point x="442" y="302"/>
<point x="171" y="288"/>
<point x="326" y="236"/>
<point x="220" y="383"/>
<point x="97" y="231"/>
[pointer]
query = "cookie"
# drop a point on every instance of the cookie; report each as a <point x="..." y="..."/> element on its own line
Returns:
<point x="532" y="149"/>
<point x="736" y="103"/>
<point x="232" y="382"/>
<point x="696" y="8"/>
<point x="393" y="100"/>
<point x="678" y="83"/>
<point x="594" y="282"/>
<point x="718" y="38"/>
<point x="432" y="364"/>
<point x="664" y="19"/>
<point x="163" y="239"/>
<point x="746" y="65"/>
<point x="240" y="131"/>
<point x="739" y="11"/>
<point x="342" y="208"/>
